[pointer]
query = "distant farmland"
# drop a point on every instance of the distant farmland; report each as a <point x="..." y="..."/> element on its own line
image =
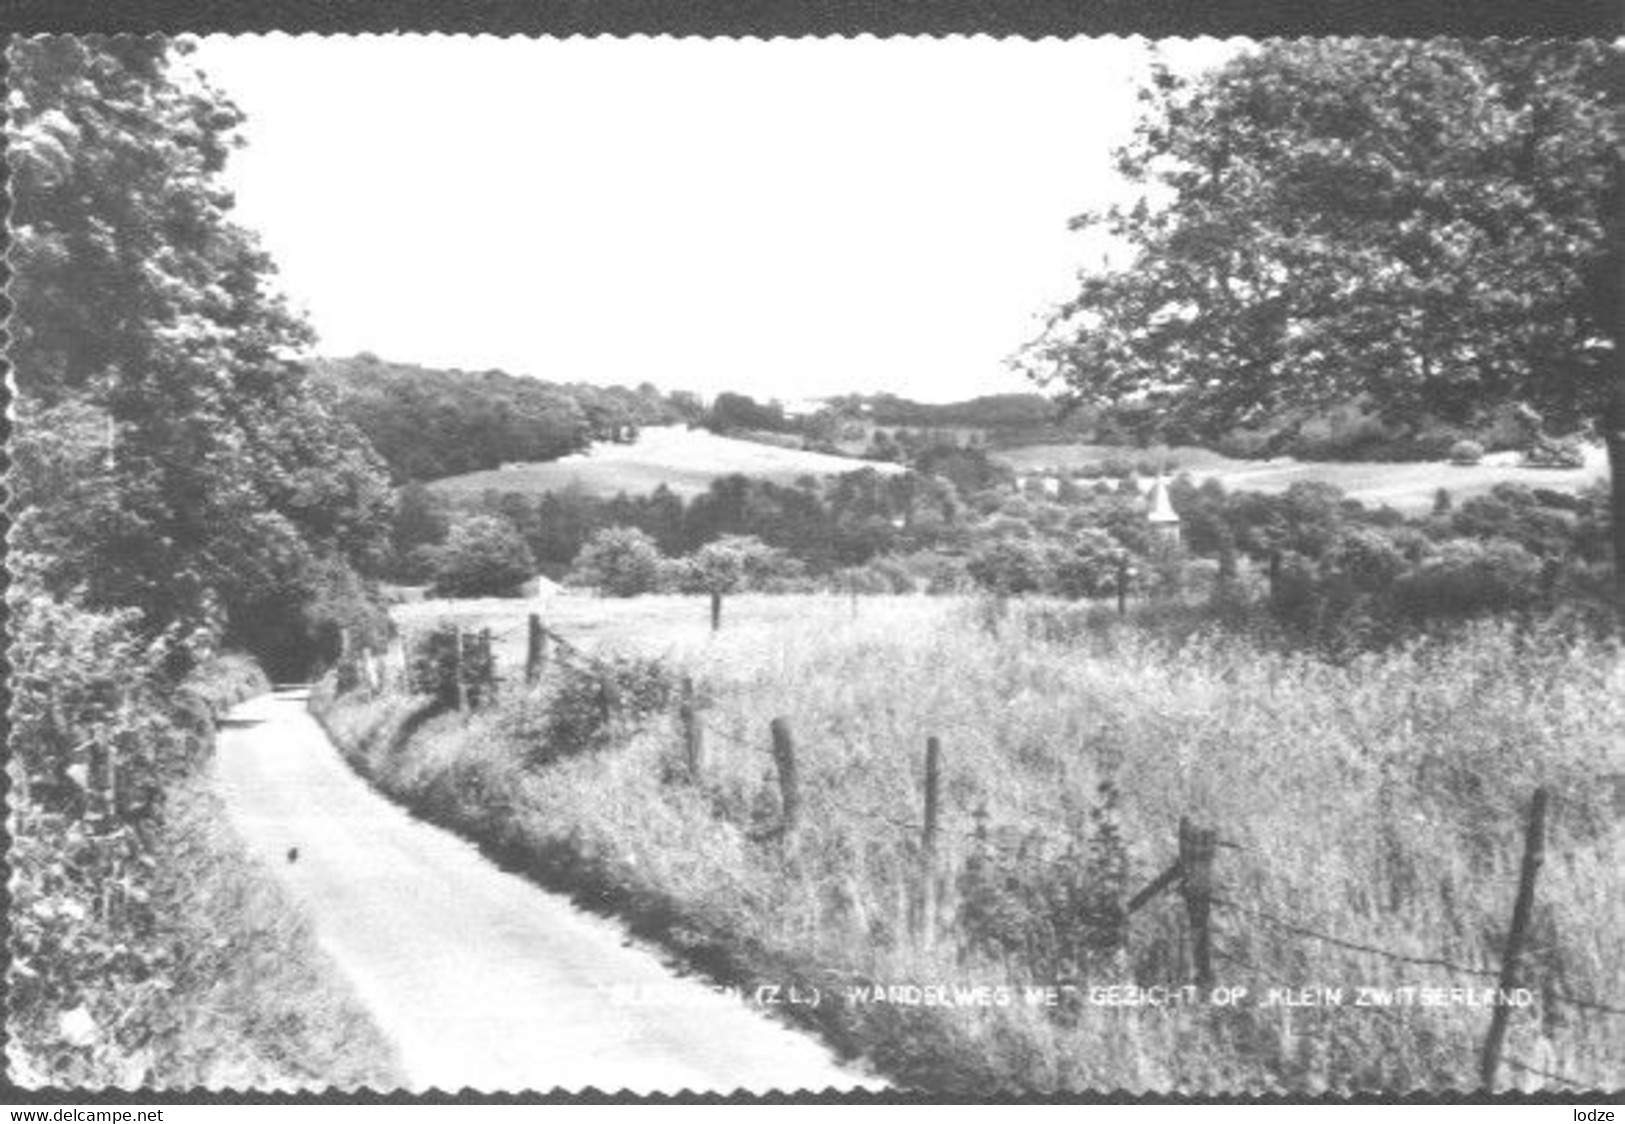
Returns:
<point x="684" y="460"/>
<point x="1406" y="486"/>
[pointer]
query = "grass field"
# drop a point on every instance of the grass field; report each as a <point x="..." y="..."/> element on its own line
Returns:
<point x="1378" y="801"/>
<point x="1408" y="487"/>
<point x="668" y="626"/>
<point x="684" y="460"/>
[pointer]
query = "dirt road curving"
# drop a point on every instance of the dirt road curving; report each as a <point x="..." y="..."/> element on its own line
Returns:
<point x="480" y="978"/>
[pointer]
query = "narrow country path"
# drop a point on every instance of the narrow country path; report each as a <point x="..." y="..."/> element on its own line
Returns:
<point x="480" y="978"/>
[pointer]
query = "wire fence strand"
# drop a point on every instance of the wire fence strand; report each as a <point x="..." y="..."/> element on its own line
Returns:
<point x="1353" y="946"/>
<point x="1513" y="1063"/>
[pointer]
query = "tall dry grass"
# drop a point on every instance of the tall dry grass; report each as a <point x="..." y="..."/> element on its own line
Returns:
<point x="1378" y="801"/>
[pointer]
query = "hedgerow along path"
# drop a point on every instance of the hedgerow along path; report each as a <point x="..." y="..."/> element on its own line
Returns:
<point x="480" y="978"/>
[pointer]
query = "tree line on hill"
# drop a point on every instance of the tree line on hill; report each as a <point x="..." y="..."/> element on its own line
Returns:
<point x="1337" y="570"/>
<point x="427" y="423"/>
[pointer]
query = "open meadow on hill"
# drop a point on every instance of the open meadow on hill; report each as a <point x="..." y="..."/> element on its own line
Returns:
<point x="684" y="460"/>
<point x="1369" y="816"/>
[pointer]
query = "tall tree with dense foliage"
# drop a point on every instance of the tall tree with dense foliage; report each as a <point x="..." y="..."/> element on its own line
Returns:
<point x="618" y="562"/>
<point x="173" y="456"/>
<point x="483" y="557"/>
<point x="1432" y="225"/>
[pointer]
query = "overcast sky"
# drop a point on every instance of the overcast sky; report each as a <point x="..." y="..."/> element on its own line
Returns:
<point x="788" y="218"/>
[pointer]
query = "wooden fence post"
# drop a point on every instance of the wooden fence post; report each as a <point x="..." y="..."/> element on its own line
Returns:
<point x="1122" y="587"/>
<point x="1534" y="849"/>
<point x="784" y="756"/>
<point x="716" y="610"/>
<point x="693" y="734"/>
<point x="457" y="665"/>
<point x="487" y="685"/>
<point x="535" y="649"/>
<point x="1275" y="573"/>
<point x="1196" y="847"/>
<point x="928" y="839"/>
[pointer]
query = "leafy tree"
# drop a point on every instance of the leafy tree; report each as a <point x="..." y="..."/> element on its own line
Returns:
<point x="483" y="557"/>
<point x="1434" y="225"/>
<point x="737" y="562"/>
<point x="180" y="462"/>
<point x="420" y="520"/>
<point x="1088" y="566"/>
<point x="1011" y="565"/>
<point x="740" y="411"/>
<point x="619" y="562"/>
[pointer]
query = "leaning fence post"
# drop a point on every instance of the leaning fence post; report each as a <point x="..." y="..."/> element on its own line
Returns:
<point x="693" y="735"/>
<point x="535" y="652"/>
<point x="1534" y="848"/>
<point x="928" y="839"/>
<point x="784" y="756"/>
<point x="1196" y="847"/>
<point x="716" y="610"/>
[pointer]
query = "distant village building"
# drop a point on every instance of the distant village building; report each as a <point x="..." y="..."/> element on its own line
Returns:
<point x="1160" y="512"/>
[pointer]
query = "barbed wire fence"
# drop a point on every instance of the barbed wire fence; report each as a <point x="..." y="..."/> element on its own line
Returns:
<point x="1191" y="871"/>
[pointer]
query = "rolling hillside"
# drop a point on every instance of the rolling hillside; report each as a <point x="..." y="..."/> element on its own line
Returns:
<point x="1405" y="486"/>
<point x="684" y="460"/>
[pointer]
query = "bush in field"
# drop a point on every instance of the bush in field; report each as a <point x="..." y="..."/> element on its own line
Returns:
<point x="1062" y="916"/>
<point x="1467" y="577"/>
<point x="939" y="573"/>
<point x="1513" y="512"/>
<point x="884" y="575"/>
<point x="1466" y="452"/>
<point x="1088" y="566"/>
<point x="483" y="557"/>
<point x="586" y="709"/>
<point x="1367" y="558"/>
<point x="434" y="666"/>
<point x="619" y="562"/>
<point x="1010" y="566"/>
<point x="735" y="563"/>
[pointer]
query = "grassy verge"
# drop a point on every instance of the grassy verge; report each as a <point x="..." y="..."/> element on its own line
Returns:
<point x="1378" y="801"/>
<point x="155" y="952"/>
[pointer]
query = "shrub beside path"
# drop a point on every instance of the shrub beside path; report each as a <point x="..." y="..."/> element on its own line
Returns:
<point x="480" y="978"/>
